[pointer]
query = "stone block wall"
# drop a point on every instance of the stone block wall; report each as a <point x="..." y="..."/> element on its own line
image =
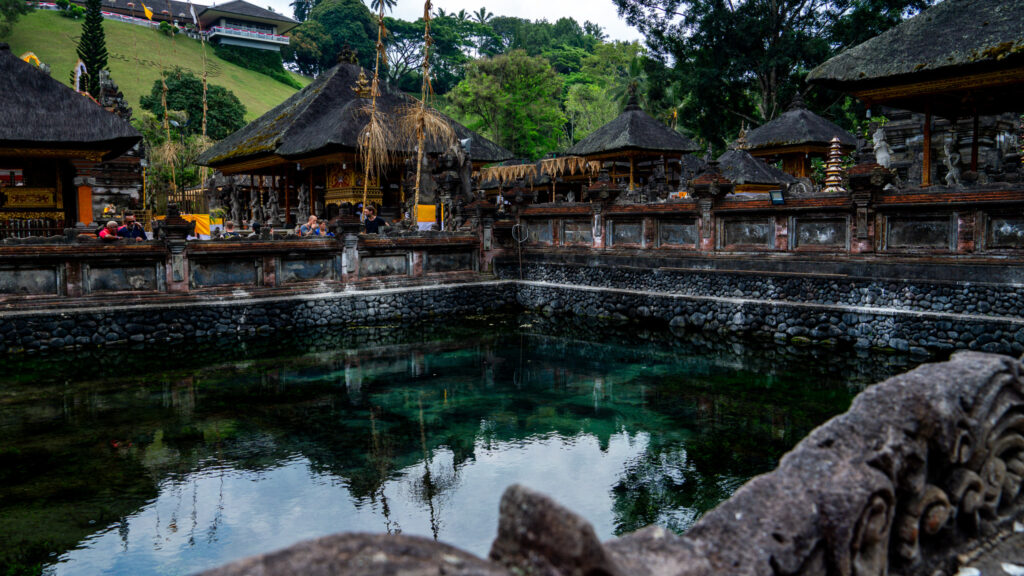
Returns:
<point x="920" y="316"/>
<point x="54" y="329"/>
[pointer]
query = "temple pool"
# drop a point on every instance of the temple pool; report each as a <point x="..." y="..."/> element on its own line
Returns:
<point x="170" y="462"/>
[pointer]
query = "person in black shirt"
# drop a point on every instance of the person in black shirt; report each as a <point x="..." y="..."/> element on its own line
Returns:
<point x="372" y="221"/>
<point x="131" y="229"/>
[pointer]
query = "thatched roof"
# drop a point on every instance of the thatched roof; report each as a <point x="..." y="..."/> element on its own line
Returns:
<point x="946" y="39"/>
<point x="633" y="130"/>
<point x="327" y="117"/>
<point x="797" y="126"/>
<point x="37" y="111"/>
<point x="742" y="168"/>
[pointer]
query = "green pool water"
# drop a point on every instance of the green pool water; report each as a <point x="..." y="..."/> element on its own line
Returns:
<point x="173" y="461"/>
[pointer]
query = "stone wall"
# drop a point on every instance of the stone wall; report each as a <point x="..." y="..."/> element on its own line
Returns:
<point x="921" y="477"/>
<point x="61" y="328"/>
<point x="926" y="314"/>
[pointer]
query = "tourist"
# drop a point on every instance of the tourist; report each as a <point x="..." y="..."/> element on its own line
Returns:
<point x="372" y="221"/>
<point x="109" y="232"/>
<point x="309" y="228"/>
<point x="322" y="230"/>
<point x="229" y="230"/>
<point x="131" y="229"/>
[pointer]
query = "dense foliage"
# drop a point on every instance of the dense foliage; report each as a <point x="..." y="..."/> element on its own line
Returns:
<point x="10" y="10"/>
<point x="225" y="113"/>
<point x="267" y="62"/>
<point x="92" y="46"/>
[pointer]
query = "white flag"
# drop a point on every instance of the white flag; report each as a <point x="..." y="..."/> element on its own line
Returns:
<point x="195" y="19"/>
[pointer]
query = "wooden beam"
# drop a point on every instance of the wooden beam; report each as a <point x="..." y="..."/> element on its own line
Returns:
<point x="974" y="143"/>
<point x="926" y="163"/>
<point x="632" y="170"/>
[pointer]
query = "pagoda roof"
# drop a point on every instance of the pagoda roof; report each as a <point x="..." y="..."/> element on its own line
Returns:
<point x="742" y="168"/>
<point x="952" y="39"/>
<point x="40" y="112"/>
<point x="633" y="130"/>
<point x="795" y="127"/>
<point x="327" y="117"/>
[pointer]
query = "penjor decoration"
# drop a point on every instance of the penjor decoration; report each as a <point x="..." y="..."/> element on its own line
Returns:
<point x="373" y="142"/>
<point x="834" y="168"/>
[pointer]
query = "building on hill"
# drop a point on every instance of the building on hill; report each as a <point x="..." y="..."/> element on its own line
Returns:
<point x="44" y="128"/>
<point x="304" y="154"/>
<point x="235" y="23"/>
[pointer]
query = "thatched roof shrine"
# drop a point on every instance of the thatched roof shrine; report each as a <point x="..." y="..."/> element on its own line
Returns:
<point x="751" y="174"/>
<point x="40" y="113"/>
<point x="797" y="126"/>
<point x="957" y="56"/>
<point x="633" y="131"/>
<point x="326" y="117"/>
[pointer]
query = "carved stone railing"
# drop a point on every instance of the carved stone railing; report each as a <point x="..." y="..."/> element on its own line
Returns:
<point x="921" y="476"/>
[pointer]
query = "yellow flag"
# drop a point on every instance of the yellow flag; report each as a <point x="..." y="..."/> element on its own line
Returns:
<point x="149" y="13"/>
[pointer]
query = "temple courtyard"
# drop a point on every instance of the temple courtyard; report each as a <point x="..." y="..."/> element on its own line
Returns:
<point x="370" y="332"/>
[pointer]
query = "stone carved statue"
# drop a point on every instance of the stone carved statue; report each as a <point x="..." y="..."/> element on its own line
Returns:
<point x="236" y="204"/>
<point x="952" y="162"/>
<point x="256" y="208"/>
<point x="302" y="213"/>
<point x="883" y="152"/>
<point x="273" y="209"/>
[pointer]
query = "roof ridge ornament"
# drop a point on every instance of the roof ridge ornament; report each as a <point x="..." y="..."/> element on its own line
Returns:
<point x="798" y="102"/>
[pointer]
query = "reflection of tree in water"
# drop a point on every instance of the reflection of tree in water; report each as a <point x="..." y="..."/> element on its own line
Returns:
<point x="381" y="460"/>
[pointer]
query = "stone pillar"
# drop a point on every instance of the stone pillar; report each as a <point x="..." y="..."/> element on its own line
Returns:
<point x="350" y="258"/>
<point x="782" y="233"/>
<point x="866" y="180"/>
<point x="649" y="232"/>
<point x="707" y="225"/>
<point x="598" y="227"/>
<point x="966" y="237"/>
<point x="175" y="231"/>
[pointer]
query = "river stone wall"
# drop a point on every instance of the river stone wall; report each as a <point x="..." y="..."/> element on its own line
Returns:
<point x="54" y="329"/>
<point x="921" y="477"/>
<point x="918" y="315"/>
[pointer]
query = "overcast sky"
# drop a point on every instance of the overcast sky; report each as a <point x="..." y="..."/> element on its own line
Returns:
<point x="600" y="12"/>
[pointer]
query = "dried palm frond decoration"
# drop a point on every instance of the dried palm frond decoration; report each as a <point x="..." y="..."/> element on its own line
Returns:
<point x="373" y="142"/>
<point x="553" y="167"/>
<point x="513" y="173"/>
<point x="416" y="119"/>
<point x="420" y="119"/>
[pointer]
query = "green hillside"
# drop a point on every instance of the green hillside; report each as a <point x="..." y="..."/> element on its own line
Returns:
<point x="138" y="54"/>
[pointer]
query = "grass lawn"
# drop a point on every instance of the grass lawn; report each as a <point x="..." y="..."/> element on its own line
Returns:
<point x="136" y="57"/>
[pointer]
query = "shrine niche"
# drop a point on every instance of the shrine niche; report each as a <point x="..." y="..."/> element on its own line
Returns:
<point x="345" y="185"/>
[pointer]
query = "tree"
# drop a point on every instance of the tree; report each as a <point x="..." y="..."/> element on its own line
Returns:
<point x="404" y="46"/>
<point x="305" y="47"/>
<point x="389" y="5"/>
<point x="483" y="16"/>
<point x="92" y="46"/>
<point x="225" y="113"/>
<point x="587" y="108"/>
<point x="515" y="99"/>
<point x="742" y="60"/>
<point x="10" y="11"/>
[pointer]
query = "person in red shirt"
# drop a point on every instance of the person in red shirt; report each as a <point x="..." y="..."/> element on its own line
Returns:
<point x="109" y="231"/>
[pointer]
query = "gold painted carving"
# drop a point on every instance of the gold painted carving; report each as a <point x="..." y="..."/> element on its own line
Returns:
<point x="20" y="197"/>
<point x="91" y="155"/>
<point x="31" y="215"/>
<point x="344" y="184"/>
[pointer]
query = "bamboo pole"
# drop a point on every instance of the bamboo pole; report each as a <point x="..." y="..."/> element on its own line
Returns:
<point x="424" y="92"/>
<point x="373" y="106"/>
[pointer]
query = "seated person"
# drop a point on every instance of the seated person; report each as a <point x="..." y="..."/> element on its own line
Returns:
<point x="131" y="230"/>
<point x="373" y="222"/>
<point x="322" y="230"/>
<point x="229" y="230"/>
<point x="309" y="228"/>
<point x="109" y="232"/>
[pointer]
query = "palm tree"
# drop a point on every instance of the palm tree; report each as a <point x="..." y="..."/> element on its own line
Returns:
<point x="483" y="16"/>
<point x="462" y="17"/>
<point x="388" y="5"/>
<point x="441" y="13"/>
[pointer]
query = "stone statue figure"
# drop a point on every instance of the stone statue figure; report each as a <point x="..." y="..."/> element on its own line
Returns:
<point x="571" y="196"/>
<point x="236" y="204"/>
<point x="302" y="213"/>
<point x="273" y="207"/>
<point x="255" y="206"/>
<point x="883" y="152"/>
<point x="952" y="162"/>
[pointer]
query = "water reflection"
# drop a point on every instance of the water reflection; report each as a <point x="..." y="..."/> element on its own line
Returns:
<point x="175" y="462"/>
